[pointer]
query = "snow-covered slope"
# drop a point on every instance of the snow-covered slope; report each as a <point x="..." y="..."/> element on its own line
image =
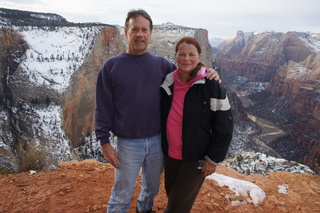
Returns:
<point x="54" y="55"/>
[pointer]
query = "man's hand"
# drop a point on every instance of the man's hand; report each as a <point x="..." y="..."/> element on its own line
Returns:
<point x="110" y="154"/>
<point x="213" y="75"/>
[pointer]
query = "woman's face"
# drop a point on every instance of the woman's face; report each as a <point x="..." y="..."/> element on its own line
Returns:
<point x="187" y="57"/>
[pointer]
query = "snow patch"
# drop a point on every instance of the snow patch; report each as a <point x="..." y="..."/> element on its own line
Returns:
<point x="311" y="43"/>
<point x="283" y="189"/>
<point x="253" y="193"/>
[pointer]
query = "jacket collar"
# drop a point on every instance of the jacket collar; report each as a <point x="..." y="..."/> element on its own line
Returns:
<point x="169" y="80"/>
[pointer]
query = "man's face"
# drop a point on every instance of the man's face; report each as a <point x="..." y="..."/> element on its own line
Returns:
<point x="138" y="35"/>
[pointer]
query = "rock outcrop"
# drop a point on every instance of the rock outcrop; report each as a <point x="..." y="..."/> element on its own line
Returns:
<point x="82" y="187"/>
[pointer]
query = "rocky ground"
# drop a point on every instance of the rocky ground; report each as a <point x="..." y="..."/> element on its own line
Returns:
<point x="85" y="187"/>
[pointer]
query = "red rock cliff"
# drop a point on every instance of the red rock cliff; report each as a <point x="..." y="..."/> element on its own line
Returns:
<point x="298" y="84"/>
<point x="79" y="99"/>
<point x="257" y="57"/>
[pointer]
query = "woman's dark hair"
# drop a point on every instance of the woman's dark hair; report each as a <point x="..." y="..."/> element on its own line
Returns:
<point x="189" y="40"/>
<point x="135" y="13"/>
<point x="194" y="42"/>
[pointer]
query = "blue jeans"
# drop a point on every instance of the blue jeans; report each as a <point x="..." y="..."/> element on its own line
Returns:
<point x="134" y="154"/>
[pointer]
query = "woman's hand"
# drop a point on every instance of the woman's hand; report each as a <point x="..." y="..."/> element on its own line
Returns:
<point x="208" y="168"/>
<point x="213" y="75"/>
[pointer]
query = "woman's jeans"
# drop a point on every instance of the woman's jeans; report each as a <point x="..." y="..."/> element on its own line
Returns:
<point x="136" y="154"/>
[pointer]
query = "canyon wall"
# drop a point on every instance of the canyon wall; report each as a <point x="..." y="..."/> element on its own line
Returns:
<point x="297" y="85"/>
<point x="79" y="98"/>
<point x="289" y="65"/>
<point x="258" y="57"/>
<point x="12" y="47"/>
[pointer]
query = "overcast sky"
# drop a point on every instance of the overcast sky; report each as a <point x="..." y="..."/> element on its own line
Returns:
<point x="222" y="18"/>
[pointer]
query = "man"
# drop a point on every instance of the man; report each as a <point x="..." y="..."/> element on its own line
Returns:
<point x="128" y="104"/>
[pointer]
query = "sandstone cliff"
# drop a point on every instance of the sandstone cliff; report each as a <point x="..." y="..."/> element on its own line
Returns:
<point x="296" y="86"/>
<point x="257" y="57"/>
<point x="288" y="65"/>
<point x="79" y="98"/>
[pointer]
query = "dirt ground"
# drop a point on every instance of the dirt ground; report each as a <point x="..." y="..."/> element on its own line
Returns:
<point x="85" y="187"/>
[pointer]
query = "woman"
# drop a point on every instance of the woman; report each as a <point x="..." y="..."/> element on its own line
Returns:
<point x="197" y="126"/>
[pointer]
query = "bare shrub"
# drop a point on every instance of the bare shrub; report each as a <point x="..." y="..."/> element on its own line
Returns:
<point x="31" y="156"/>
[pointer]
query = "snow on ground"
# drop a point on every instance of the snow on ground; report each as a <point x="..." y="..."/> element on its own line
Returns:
<point x="54" y="55"/>
<point x="253" y="193"/>
<point x="259" y="163"/>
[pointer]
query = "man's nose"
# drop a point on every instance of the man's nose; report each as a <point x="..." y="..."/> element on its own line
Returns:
<point x="139" y="33"/>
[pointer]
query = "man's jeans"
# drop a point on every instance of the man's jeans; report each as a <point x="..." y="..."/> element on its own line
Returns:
<point x="133" y="155"/>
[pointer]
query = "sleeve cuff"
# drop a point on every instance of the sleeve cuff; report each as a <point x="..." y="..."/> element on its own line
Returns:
<point x="104" y="141"/>
<point x="210" y="161"/>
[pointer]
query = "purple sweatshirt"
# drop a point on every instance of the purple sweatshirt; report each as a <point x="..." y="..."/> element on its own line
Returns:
<point x="128" y="96"/>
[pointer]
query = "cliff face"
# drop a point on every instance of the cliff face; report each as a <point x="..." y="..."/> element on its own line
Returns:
<point x="12" y="47"/>
<point x="79" y="99"/>
<point x="289" y="64"/>
<point x="257" y="57"/>
<point x="298" y="85"/>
